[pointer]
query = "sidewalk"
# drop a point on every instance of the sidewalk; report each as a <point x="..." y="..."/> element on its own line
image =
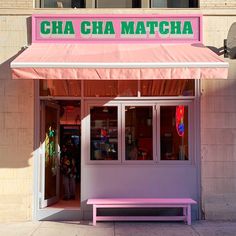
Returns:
<point x="199" y="228"/>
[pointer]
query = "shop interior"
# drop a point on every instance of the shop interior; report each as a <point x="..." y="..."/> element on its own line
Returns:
<point x="69" y="141"/>
<point x="70" y="138"/>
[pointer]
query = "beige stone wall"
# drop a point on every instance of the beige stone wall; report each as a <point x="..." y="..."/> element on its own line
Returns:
<point x="217" y="3"/>
<point x="218" y="131"/>
<point x="16" y="4"/>
<point x="16" y="126"/>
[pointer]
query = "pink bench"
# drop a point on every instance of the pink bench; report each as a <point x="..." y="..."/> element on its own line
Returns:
<point x="184" y="203"/>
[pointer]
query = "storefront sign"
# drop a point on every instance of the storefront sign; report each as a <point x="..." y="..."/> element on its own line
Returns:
<point x="117" y="28"/>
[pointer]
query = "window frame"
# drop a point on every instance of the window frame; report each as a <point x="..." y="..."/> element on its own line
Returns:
<point x="87" y="133"/>
<point x="156" y="104"/>
<point x="191" y="133"/>
<point x="140" y="4"/>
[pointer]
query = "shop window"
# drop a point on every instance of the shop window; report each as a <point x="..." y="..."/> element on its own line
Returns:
<point x="103" y="133"/>
<point x="174" y="3"/>
<point x="94" y="88"/>
<point x="127" y="88"/>
<point x="174" y="133"/>
<point x="138" y="133"/>
<point x="167" y="87"/>
<point x="62" y="3"/>
<point x="118" y="4"/>
<point x="71" y="88"/>
<point x="117" y="88"/>
<point x="114" y="88"/>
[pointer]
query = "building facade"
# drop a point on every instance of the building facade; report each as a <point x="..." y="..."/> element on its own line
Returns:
<point x="211" y="175"/>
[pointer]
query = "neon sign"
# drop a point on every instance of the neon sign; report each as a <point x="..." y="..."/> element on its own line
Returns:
<point x="179" y="117"/>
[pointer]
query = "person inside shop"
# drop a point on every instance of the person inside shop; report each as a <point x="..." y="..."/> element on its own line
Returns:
<point x="68" y="169"/>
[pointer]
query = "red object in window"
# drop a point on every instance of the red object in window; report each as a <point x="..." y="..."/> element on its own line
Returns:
<point x="103" y="133"/>
<point x="69" y="108"/>
<point x="180" y="120"/>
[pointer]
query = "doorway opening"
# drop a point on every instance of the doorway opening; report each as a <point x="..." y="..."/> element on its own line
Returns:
<point x="61" y="156"/>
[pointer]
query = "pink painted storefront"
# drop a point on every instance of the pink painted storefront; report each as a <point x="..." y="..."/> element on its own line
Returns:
<point x="122" y="93"/>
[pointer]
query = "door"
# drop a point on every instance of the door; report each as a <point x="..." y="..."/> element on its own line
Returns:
<point x="49" y="158"/>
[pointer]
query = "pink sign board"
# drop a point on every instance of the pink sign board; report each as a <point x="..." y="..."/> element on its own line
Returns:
<point x="117" y="28"/>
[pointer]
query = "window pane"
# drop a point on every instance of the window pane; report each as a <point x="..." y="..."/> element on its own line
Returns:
<point x="105" y="88"/>
<point x="159" y="3"/>
<point x="70" y="88"/>
<point x="104" y="133"/>
<point x="62" y="3"/>
<point x="138" y="133"/>
<point x="50" y="141"/>
<point x="118" y="4"/>
<point x="127" y="88"/>
<point x="174" y="3"/>
<point x="174" y="133"/>
<point x="78" y="3"/>
<point x="167" y="87"/>
<point x="110" y="88"/>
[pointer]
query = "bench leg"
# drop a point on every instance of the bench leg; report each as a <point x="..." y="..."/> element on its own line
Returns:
<point x="185" y="214"/>
<point x="94" y="214"/>
<point x="189" y="215"/>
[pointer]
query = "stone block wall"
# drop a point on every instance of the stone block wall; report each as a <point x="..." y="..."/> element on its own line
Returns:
<point x="16" y="4"/>
<point x="217" y="3"/>
<point x="16" y="126"/>
<point x="218" y="131"/>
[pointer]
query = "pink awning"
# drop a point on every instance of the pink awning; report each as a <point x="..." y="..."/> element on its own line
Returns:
<point x="118" y="62"/>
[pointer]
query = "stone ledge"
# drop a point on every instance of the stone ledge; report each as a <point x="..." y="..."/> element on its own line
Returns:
<point x="204" y="11"/>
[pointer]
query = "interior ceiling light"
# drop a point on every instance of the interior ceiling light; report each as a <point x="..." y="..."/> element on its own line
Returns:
<point x="105" y="109"/>
<point x="69" y="108"/>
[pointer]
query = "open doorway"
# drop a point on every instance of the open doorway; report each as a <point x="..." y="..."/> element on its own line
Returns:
<point x="61" y="157"/>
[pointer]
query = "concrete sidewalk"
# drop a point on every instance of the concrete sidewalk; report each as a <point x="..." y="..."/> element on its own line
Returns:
<point x="46" y="228"/>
